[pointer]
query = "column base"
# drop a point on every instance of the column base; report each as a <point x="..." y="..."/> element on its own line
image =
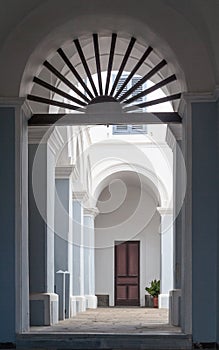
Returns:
<point x="174" y="313"/>
<point x="73" y="306"/>
<point x="44" y="309"/>
<point x="91" y="301"/>
<point x="163" y="301"/>
<point x="80" y="303"/>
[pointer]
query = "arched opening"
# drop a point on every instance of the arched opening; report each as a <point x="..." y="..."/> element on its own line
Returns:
<point x="78" y="303"/>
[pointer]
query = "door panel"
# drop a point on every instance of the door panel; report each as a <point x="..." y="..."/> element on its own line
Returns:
<point x="127" y="273"/>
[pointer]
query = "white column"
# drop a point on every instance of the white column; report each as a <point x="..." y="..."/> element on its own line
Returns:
<point x="42" y="154"/>
<point x="63" y="227"/>
<point x="89" y="249"/>
<point x="174" y="140"/>
<point x="78" y="250"/>
<point x="166" y="233"/>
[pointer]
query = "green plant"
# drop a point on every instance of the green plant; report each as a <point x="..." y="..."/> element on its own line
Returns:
<point x="154" y="288"/>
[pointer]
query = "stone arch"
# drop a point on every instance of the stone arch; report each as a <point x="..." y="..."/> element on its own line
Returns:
<point x="148" y="178"/>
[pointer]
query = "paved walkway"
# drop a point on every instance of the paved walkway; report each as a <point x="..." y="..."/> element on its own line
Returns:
<point x="114" y="320"/>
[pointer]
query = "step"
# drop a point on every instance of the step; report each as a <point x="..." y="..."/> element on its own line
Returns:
<point x="61" y="341"/>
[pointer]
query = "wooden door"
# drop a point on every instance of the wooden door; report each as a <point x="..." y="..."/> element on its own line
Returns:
<point x="127" y="273"/>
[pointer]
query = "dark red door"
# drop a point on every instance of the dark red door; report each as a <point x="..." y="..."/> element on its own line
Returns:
<point x="127" y="273"/>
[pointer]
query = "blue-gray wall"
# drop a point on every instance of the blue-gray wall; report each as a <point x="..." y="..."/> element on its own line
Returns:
<point x="204" y="221"/>
<point x="7" y="229"/>
<point x="218" y="227"/>
<point x="37" y="230"/>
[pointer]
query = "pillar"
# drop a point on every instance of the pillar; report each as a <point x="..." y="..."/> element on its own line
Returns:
<point x="89" y="255"/>
<point x="174" y="140"/>
<point x="63" y="228"/>
<point x="201" y="119"/>
<point x="78" y="250"/>
<point x="42" y="155"/>
<point x="166" y="233"/>
<point x="14" y="272"/>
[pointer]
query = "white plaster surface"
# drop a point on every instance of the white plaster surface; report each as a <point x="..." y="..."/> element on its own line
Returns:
<point x="117" y="226"/>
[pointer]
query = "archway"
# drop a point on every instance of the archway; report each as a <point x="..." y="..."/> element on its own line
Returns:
<point x="63" y="106"/>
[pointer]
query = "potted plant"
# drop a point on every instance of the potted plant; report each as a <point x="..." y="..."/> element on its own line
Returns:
<point x="154" y="291"/>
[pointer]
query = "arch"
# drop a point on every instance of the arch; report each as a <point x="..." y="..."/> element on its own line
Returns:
<point x="113" y="54"/>
<point x="129" y="19"/>
<point x="148" y="179"/>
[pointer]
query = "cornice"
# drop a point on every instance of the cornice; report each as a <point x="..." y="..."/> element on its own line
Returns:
<point x="205" y="96"/>
<point x="11" y="101"/>
<point x="39" y="134"/>
<point x="63" y="171"/>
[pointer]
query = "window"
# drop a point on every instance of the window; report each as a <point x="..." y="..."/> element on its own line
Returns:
<point x="129" y="129"/>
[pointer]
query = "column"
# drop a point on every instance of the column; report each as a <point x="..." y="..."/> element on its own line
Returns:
<point x="174" y="140"/>
<point x="203" y="218"/>
<point x="166" y="234"/>
<point x="78" y="250"/>
<point x="63" y="230"/>
<point x="89" y="255"/>
<point x="14" y="271"/>
<point x="42" y="153"/>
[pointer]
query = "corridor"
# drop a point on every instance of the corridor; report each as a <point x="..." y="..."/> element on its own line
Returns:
<point x="114" y="320"/>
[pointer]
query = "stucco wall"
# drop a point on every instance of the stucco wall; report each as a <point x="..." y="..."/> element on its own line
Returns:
<point x="128" y="222"/>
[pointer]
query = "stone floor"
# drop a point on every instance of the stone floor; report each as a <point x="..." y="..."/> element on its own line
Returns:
<point x="114" y="320"/>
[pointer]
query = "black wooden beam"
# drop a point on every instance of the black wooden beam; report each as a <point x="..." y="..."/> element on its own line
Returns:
<point x="75" y="73"/>
<point x="134" y="70"/>
<point x="151" y="89"/>
<point x="123" y="64"/>
<point x="85" y="65"/>
<point x="50" y="119"/>
<point x="110" y="63"/>
<point x="58" y="91"/>
<point x="143" y="80"/>
<point x="97" y="57"/>
<point x="51" y="102"/>
<point x="155" y="102"/>
<point x="64" y="80"/>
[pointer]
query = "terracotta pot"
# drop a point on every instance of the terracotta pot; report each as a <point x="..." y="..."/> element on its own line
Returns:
<point x="155" y="300"/>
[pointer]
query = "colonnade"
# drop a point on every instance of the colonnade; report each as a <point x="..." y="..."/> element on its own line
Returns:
<point x="61" y="236"/>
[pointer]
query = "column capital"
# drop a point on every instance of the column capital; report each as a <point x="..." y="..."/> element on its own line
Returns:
<point x="39" y="134"/>
<point x="165" y="211"/>
<point x="65" y="171"/>
<point x="80" y="195"/>
<point x="91" y="212"/>
<point x="46" y="134"/>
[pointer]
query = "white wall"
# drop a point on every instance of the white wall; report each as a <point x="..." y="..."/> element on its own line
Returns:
<point x="128" y="222"/>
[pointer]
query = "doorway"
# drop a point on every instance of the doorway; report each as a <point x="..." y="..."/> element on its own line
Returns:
<point x="127" y="272"/>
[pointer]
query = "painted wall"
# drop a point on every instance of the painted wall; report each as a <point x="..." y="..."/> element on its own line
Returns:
<point x="128" y="222"/>
<point x="204" y="221"/>
<point x="41" y="221"/>
<point x="7" y="232"/>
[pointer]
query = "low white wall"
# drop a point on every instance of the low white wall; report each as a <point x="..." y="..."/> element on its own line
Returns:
<point x="128" y="222"/>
